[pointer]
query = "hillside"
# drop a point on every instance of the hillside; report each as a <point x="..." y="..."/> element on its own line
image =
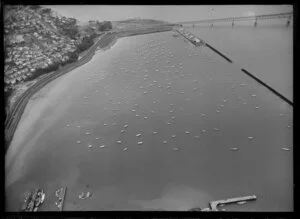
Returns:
<point x="137" y="23"/>
<point x="36" y="39"/>
<point x="143" y="21"/>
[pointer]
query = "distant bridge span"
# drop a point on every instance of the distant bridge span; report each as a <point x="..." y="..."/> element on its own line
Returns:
<point x="287" y="15"/>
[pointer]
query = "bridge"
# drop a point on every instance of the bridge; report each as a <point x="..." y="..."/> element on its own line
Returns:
<point x="287" y="16"/>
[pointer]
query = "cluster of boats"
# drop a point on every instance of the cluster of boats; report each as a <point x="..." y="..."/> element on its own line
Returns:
<point x="33" y="200"/>
<point x="190" y="37"/>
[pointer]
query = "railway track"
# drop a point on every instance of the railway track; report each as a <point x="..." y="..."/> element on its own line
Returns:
<point x="14" y="117"/>
<point x="16" y="113"/>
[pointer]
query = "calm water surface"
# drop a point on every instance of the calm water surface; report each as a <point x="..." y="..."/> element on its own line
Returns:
<point x="266" y="50"/>
<point x="149" y="125"/>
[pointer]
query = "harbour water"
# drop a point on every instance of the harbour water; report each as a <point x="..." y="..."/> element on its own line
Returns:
<point x="265" y="50"/>
<point x="149" y="125"/>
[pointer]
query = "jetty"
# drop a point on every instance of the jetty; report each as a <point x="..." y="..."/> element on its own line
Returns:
<point x="214" y="204"/>
<point x="190" y="37"/>
<point x="60" y="193"/>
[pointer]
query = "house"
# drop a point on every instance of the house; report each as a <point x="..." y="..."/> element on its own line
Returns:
<point x="13" y="81"/>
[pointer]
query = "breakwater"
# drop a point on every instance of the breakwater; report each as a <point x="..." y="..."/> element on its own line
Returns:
<point x="192" y="38"/>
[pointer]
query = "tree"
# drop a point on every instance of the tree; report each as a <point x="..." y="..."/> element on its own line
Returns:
<point x="47" y="10"/>
<point x="35" y="7"/>
<point x="105" y="25"/>
<point x="86" y="43"/>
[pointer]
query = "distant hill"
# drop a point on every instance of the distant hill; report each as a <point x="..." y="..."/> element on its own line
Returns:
<point x="143" y="21"/>
<point x="137" y="23"/>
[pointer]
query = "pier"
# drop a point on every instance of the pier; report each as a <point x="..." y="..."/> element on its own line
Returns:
<point x="214" y="204"/>
<point x="60" y="194"/>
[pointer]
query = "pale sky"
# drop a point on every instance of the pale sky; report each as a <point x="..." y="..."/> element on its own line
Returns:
<point x="164" y="12"/>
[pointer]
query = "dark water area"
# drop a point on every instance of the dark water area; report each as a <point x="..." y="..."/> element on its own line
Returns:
<point x="149" y="125"/>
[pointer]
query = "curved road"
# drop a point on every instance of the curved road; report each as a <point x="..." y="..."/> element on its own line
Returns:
<point x="14" y="116"/>
<point x="16" y="113"/>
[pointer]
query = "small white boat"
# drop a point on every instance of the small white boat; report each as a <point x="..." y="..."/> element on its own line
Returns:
<point x="43" y="197"/>
<point x="285" y="149"/>
<point x="84" y="195"/>
<point x="234" y="149"/>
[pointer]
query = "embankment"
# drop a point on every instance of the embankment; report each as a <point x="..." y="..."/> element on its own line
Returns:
<point x="15" y="115"/>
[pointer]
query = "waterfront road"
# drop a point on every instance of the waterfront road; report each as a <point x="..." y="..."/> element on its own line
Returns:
<point x="17" y="111"/>
<point x="14" y="116"/>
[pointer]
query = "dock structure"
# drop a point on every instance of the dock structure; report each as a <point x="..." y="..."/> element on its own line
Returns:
<point x="214" y="204"/>
<point x="192" y="38"/>
<point x="61" y="193"/>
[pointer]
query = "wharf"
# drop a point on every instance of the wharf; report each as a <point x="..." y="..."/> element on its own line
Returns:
<point x="190" y="37"/>
<point x="61" y="193"/>
<point x="214" y="204"/>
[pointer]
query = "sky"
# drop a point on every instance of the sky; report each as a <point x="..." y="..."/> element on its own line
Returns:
<point x="170" y="13"/>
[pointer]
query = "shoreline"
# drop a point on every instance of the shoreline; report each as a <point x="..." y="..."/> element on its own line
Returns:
<point x="106" y="41"/>
<point x="20" y="105"/>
